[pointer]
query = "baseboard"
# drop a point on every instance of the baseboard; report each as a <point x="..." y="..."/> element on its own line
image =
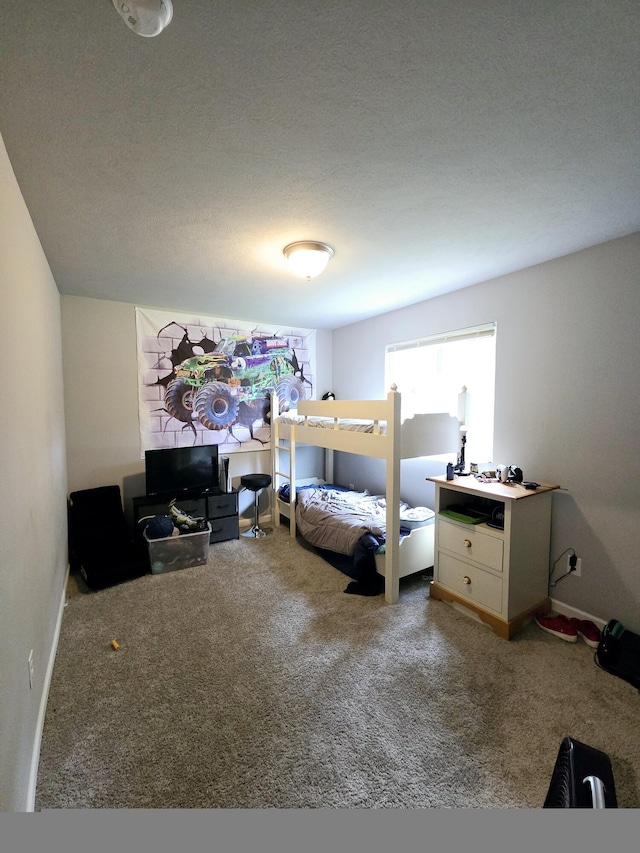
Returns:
<point x="556" y="607"/>
<point x="573" y="612"/>
<point x="246" y="523"/>
<point x="44" y="698"/>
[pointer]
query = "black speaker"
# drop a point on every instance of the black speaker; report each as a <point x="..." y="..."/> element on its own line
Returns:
<point x="225" y="482"/>
<point x="582" y="778"/>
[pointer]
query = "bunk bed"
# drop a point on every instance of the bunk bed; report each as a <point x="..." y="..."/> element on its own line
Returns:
<point x="371" y="428"/>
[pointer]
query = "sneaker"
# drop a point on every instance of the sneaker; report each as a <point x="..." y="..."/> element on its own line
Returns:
<point x="559" y="626"/>
<point x="589" y="632"/>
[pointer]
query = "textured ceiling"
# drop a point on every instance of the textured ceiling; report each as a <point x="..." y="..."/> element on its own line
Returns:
<point x="433" y="144"/>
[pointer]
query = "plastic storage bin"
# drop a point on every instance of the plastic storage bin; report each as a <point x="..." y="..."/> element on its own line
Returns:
<point x="178" y="552"/>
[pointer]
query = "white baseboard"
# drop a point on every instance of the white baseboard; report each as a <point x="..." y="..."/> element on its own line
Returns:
<point x="264" y="519"/>
<point x="44" y="698"/>
<point x="573" y="612"/>
<point x="556" y="607"/>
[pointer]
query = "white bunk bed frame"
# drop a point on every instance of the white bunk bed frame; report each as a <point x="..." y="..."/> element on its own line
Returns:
<point x="391" y="440"/>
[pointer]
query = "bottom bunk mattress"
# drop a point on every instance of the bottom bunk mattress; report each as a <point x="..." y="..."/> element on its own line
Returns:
<point x="348" y="530"/>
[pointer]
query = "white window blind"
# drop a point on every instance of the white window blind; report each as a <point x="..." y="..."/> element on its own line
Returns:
<point x="431" y="373"/>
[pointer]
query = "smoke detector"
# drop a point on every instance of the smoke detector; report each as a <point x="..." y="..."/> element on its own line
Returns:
<point x="147" y="18"/>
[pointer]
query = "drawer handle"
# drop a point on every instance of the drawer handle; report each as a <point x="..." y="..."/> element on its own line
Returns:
<point x="466" y="579"/>
<point x="466" y="543"/>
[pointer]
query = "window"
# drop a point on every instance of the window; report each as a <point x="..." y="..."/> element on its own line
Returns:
<point x="431" y="373"/>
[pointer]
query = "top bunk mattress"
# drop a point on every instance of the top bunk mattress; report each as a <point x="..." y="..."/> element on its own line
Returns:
<point x="353" y="425"/>
<point x="427" y="434"/>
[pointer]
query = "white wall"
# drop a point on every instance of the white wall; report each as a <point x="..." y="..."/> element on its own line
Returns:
<point x="567" y="403"/>
<point x="33" y="536"/>
<point x="101" y="401"/>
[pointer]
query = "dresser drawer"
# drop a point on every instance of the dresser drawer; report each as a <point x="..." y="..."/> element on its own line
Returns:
<point x="195" y="507"/>
<point x="221" y="505"/>
<point x="471" y="582"/>
<point x="471" y="543"/>
<point x="224" y="528"/>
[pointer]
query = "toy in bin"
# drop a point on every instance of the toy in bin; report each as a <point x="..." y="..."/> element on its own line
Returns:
<point x="177" y="522"/>
<point x="158" y="527"/>
<point x="185" y="523"/>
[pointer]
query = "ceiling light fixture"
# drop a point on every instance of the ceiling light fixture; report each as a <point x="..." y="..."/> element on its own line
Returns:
<point x="308" y="258"/>
<point x="147" y="18"/>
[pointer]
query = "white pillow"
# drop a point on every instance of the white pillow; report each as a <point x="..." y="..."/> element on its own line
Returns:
<point x="416" y="516"/>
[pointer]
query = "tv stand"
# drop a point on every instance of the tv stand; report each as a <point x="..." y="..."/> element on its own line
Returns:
<point x="218" y="507"/>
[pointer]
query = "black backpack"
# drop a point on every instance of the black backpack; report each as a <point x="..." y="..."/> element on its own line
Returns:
<point x="618" y="652"/>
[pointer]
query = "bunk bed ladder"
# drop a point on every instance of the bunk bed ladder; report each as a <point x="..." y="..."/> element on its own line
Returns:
<point x="392" y="555"/>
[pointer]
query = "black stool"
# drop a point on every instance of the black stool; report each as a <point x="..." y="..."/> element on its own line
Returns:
<point x="255" y="482"/>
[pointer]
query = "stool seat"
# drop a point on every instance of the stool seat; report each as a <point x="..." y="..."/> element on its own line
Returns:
<point x="255" y="482"/>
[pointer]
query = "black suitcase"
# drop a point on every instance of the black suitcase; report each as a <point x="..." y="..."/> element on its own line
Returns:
<point x="582" y="779"/>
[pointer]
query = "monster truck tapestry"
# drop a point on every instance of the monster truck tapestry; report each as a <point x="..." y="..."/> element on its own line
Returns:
<point x="203" y="380"/>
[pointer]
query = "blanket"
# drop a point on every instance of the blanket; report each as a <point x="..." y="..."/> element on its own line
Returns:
<point x="335" y="520"/>
<point x="361" y="567"/>
<point x="347" y="528"/>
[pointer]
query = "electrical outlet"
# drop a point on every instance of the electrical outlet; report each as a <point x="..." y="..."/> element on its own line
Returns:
<point x="30" y="664"/>
<point x="577" y="570"/>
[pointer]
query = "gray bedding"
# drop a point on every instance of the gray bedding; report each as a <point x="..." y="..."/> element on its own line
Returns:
<point x="335" y="520"/>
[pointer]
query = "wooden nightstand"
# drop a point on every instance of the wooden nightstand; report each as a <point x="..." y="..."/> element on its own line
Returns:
<point x="500" y="575"/>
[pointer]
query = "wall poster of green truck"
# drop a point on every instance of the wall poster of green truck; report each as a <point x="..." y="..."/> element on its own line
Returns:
<point x="215" y="383"/>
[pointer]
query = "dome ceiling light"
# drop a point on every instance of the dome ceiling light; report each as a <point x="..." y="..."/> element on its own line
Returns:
<point x="147" y="18"/>
<point x="308" y="258"/>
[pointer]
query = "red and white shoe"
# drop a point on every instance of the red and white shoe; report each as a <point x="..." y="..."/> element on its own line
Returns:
<point x="589" y="631"/>
<point x="559" y="626"/>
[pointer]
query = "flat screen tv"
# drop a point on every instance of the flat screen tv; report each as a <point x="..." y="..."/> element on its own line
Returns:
<point x="181" y="469"/>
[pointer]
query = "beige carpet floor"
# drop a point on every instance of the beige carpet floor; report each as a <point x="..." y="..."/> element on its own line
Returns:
<point x="255" y="682"/>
